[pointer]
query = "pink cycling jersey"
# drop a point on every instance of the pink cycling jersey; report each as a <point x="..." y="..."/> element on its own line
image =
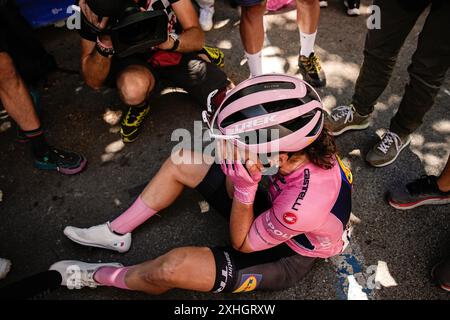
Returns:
<point x="311" y="209"/>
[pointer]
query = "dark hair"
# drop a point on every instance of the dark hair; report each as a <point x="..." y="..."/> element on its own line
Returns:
<point x="322" y="151"/>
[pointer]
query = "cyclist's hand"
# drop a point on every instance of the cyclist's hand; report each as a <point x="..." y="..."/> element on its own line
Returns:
<point x="245" y="179"/>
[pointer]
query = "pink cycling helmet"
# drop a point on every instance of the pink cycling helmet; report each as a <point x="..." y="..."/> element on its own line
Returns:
<point x="274" y="101"/>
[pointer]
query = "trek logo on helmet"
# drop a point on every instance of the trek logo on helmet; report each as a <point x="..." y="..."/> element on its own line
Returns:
<point x="252" y="123"/>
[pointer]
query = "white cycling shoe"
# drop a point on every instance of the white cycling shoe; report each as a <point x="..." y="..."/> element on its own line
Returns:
<point x="99" y="236"/>
<point x="78" y="274"/>
<point x="5" y="266"/>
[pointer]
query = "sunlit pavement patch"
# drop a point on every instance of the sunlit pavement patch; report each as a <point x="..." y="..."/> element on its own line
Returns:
<point x="354" y="279"/>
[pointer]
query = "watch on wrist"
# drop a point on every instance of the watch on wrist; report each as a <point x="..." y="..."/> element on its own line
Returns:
<point x="104" y="50"/>
<point x="176" y="40"/>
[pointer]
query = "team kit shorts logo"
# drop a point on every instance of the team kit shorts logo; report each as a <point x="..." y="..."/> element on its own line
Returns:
<point x="347" y="173"/>
<point x="249" y="282"/>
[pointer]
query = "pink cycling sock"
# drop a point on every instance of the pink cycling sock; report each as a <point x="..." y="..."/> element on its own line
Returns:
<point x="136" y="215"/>
<point x="112" y="277"/>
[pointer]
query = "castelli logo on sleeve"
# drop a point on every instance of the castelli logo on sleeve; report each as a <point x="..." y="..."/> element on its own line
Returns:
<point x="290" y="218"/>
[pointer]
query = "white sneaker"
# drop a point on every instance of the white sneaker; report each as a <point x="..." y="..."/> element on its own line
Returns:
<point x="206" y="18"/>
<point x="5" y="266"/>
<point x="78" y="274"/>
<point x="323" y="3"/>
<point x="99" y="236"/>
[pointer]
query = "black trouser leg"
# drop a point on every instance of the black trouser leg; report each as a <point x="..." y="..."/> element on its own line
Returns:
<point x="381" y="50"/>
<point x="427" y="71"/>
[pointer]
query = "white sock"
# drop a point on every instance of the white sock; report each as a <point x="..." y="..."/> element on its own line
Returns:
<point x="307" y="43"/>
<point x="254" y="63"/>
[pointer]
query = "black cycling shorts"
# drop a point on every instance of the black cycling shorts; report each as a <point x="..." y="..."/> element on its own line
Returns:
<point x="272" y="269"/>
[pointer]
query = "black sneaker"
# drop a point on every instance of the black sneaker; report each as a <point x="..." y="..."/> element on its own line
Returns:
<point x="352" y="7"/>
<point x="65" y="162"/>
<point x="131" y="123"/>
<point x="441" y="274"/>
<point x="423" y="191"/>
<point x="311" y="70"/>
<point x="20" y="136"/>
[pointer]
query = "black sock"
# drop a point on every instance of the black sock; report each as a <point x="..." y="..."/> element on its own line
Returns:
<point x="140" y="106"/>
<point x="39" y="145"/>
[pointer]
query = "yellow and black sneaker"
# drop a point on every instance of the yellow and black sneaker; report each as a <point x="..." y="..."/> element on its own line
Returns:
<point x="215" y="55"/>
<point x="311" y="70"/>
<point x="131" y="122"/>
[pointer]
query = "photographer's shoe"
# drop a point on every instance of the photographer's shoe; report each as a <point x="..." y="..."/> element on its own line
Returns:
<point x="311" y="70"/>
<point x="441" y="274"/>
<point x="420" y="192"/>
<point x="344" y="118"/>
<point x="132" y="121"/>
<point x="65" y="162"/>
<point x="387" y="150"/>
<point x="215" y="55"/>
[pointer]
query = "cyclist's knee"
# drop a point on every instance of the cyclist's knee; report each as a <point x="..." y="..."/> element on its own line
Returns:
<point x="168" y="270"/>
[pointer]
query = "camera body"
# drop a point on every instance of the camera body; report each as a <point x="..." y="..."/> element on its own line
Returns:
<point x="131" y="30"/>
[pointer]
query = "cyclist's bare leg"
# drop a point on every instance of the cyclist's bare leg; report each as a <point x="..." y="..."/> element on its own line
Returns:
<point x="191" y="268"/>
<point x="169" y="182"/>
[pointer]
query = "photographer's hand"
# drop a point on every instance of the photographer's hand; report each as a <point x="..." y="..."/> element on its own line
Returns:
<point x="92" y="17"/>
<point x="167" y="45"/>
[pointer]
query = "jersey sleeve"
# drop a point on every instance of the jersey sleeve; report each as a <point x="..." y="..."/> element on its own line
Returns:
<point x="294" y="212"/>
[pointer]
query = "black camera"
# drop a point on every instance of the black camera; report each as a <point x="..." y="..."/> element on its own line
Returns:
<point x="131" y="30"/>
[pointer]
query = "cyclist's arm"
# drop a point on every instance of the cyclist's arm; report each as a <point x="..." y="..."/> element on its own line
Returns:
<point x="241" y="220"/>
<point x="285" y="220"/>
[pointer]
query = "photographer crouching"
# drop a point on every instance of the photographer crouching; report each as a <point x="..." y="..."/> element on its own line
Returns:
<point x="136" y="43"/>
